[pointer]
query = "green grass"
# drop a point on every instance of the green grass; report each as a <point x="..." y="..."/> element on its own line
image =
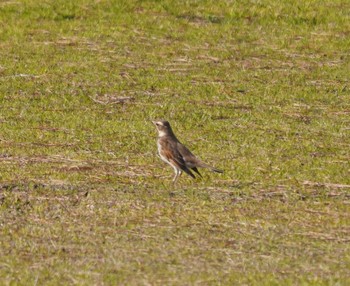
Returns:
<point x="257" y="88"/>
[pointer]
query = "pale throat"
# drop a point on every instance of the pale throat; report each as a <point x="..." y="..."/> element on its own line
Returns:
<point x="161" y="133"/>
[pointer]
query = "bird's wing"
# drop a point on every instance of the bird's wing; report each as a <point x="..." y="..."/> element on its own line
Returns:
<point x="170" y="152"/>
<point x="187" y="156"/>
<point x="192" y="161"/>
<point x="196" y="170"/>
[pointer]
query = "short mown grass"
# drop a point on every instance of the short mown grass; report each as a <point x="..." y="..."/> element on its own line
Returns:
<point x="259" y="89"/>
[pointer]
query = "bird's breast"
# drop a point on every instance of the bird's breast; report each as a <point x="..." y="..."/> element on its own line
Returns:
<point x="161" y="153"/>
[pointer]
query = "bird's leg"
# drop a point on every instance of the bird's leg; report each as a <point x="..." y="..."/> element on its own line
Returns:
<point x="177" y="174"/>
<point x="175" y="177"/>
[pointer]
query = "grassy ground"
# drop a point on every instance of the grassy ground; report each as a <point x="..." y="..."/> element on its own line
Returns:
<point x="259" y="89"/>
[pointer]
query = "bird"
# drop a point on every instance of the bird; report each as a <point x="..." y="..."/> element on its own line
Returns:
<point x="177" y="155"/>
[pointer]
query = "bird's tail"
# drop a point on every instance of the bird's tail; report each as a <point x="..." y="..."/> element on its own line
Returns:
<point x="216" y="170"/>
<point x="203" y="165"/>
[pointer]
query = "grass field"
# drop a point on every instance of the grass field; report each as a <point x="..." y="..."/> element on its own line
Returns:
<point x="259" y="89"/>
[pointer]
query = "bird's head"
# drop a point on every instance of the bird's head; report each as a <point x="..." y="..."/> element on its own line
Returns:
<point x="163" y="127"/>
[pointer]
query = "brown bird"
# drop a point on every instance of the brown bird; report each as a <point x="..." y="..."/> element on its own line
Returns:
<point x="172" y="152"/>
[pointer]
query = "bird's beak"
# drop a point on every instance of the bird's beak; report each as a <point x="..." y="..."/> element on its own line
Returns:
<point x="154" y="122"/>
